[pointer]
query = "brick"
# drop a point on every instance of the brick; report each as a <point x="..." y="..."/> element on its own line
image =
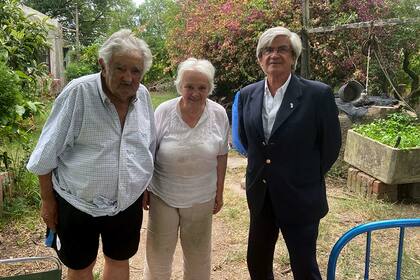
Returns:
<point x="385" y="191"/>
<point x="380" y="187"/>
<point x="351" y="177"/>
<point x="365" y="181"/>
<point x="367" y="186"/>
<point x="358" y="183"/>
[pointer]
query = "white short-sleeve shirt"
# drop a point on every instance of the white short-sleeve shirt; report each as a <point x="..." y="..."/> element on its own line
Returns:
<point x="186" y="158"/>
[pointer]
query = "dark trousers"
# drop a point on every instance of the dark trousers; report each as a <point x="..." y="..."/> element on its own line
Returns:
<point x="300" y="240"/>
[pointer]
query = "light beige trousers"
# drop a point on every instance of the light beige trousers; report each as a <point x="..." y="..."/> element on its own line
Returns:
<point x="194" y="225"/>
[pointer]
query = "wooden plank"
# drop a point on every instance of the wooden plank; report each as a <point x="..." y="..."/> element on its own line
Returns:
<point x="366" y="24"/>
<point x="305" y="70"/>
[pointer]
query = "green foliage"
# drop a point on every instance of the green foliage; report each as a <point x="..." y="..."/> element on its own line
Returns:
<point x="10" y="95"/>
<point x="226" y="33"/>
<point x="77" y="69"/>
<point x="22" y="201"/>
<point x="24" y="196"/>
<point x="22" y="42"/>
<point x="22" y="77"/>
<point x="395" y="126"/>
<point x="23" y="46"/>
<point x="336" y="57"/>
<point x="96" y="18"/>
<point x="156" y="18"/>
<point x="87" y="63"/>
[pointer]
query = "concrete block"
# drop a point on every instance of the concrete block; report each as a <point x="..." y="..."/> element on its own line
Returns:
<point x="387" y="164"/>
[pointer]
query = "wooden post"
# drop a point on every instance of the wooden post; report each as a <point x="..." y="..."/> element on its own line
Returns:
<point x="77" y="32"/>
<point x="305" y="56"/>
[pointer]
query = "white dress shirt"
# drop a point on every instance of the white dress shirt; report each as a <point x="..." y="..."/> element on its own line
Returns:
<point x="271" y="105"/>
<point x="98" y="167"/>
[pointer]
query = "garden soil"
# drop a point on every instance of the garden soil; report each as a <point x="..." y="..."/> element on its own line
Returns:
<point x="15" y="242"/>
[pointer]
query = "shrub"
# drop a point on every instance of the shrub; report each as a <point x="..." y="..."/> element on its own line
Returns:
<point x="10" y="95"/>
<point x="226" y="33"/>
<point x="78" y="69"/>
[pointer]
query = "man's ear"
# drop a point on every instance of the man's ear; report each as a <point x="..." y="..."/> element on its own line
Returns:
<point x="102" y="64"/>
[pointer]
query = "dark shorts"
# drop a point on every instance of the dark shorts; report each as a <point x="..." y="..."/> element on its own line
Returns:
<point x="78" y="234"/>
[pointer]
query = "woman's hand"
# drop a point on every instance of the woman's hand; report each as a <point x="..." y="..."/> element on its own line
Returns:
<point x="146" y="200"/>
<point x="220" y="185"/>
<point x="218" y="202"/>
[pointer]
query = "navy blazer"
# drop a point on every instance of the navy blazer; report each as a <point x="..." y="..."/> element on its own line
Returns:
<point x="304" y="144"/>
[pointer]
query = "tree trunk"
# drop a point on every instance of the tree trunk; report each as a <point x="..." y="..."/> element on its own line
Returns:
<point x="414" y="96"/>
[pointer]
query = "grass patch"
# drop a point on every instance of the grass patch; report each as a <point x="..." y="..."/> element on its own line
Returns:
<point x="22" y="198"/>
<point x="159" y="97"/>
<point x="346" y="212"/>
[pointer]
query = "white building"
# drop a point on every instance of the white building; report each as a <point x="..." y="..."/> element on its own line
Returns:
<point x="54" y="56"/>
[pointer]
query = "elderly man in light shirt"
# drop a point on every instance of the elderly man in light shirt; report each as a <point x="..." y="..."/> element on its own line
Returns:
<point x="94" y="159"/>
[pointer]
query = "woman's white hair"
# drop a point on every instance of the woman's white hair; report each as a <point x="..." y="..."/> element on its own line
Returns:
<point x="270" y="34"/>
<point x="202" y="66"/>
<point x="122" y="41"/>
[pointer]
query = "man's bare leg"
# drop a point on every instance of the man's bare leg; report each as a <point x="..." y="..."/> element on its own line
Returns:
<point x="116" y="270"/>
<point x="81" y="274"/>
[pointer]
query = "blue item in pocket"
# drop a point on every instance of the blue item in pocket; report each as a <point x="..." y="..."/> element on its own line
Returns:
<point x="236" y="141"/>
<point x="49" y="237"/>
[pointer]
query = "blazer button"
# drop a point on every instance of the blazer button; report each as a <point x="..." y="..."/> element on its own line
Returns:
<point x="268" y="161"/>
<point x="264" y="181"/>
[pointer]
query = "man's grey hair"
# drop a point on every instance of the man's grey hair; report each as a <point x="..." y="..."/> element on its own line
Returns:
<point x="199" y="65"/>
<point x="122" y="41"/>
<point x="270" y="34"/>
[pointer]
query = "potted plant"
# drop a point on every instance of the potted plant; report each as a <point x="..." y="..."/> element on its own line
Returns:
<point x="386" y="149"/>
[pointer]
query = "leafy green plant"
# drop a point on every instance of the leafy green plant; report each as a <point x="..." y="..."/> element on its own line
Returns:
<point x="10" y="94"/>
<point x="77" y="69"/>
<point x="397" y="130"/>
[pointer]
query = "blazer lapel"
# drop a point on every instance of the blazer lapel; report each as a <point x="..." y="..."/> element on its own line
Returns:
<point x="256" y="104"/>
<point x="289" y="104"/>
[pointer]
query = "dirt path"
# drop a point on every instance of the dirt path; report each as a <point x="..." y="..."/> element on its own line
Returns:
<point x="230" y="232"/>
<point x="219" y="237"/>
<point x="16" y="242"/>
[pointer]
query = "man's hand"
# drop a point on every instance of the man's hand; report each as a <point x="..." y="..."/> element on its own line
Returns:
<point x="49" y="208"/>
<point x="49" y="212"/>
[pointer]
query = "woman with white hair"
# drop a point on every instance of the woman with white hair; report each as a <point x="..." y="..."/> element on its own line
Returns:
<point x="289" y="128"/>
<point x="190" y="166"/>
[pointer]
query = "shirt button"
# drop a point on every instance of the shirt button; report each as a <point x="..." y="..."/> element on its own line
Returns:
<point x="264" y="181"/>
<point x="268" y="161"/>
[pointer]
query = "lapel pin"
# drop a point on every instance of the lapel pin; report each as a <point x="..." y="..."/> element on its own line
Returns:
<point x="291" y="105"/>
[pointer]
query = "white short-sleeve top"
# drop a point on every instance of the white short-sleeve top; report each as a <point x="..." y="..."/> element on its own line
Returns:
<point x="186" y="158"/>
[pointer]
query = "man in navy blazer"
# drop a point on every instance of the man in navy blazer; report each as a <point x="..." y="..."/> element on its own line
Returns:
<point x="289" y="127"/>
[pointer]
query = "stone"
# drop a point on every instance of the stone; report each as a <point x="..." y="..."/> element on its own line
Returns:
<point x="387" y="164"/>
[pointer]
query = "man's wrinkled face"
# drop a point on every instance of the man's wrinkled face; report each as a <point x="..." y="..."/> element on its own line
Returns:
<point x="122" y="75"/>
<point x="278" y="58"/>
